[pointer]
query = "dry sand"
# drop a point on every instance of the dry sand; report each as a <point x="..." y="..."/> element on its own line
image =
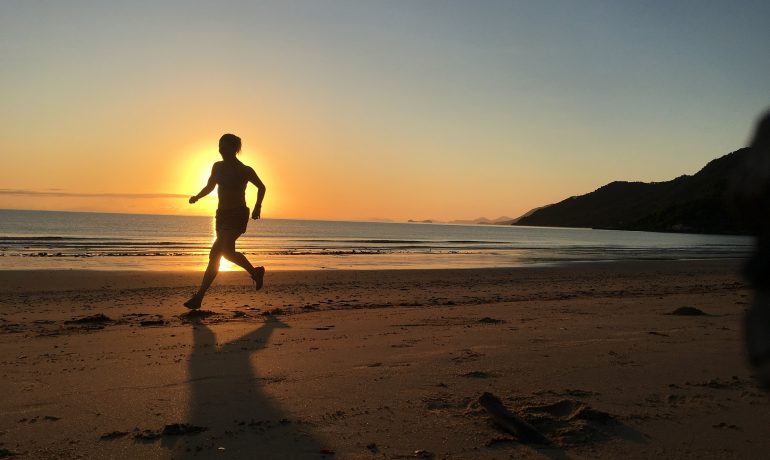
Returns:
<point x="380" y="364"/>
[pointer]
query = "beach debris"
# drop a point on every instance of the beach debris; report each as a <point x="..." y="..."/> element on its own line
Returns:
<point x="466" y="355"/>
<point x="98" y="318"/>
<point x="658" y="333"/>
<point x="477" y="375"/>
<point x="5" y="453"/>
<point x="179" y="429"/>
<point x="571" y="422"/>
<point x="152" y="322"/>
<point x="511" y="422"/>
<point x="575" y="392"/>
<point x="420" y="453"/>
<point x="372" y="447"/>
<point x="488" y="320"/>
<point x="718" y="384"/>
<point x="273" y="312"/>
<point x="11" y="327"/>
<point x="326" y="451"/>
<point x="239" y="314"/>
<point x="173" y="429"/>
<point x="113" y="435"/>
<point x="725" y="425"/>
<point x="688" y="311"/>
<point x="584" y="412"/>
<point x="43" y="321"/>
<point x="146" y="435"/>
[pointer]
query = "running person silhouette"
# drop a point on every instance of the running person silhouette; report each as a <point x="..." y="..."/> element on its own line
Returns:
<point x="231" y="176"/>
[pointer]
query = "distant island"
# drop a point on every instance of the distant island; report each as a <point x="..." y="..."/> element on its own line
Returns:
<point x="502" y="220"/>
<point x="687" y="204"/>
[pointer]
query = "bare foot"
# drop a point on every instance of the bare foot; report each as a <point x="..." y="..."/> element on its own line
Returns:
<point x="195" y="302"/>
<point x="258" y="277"/>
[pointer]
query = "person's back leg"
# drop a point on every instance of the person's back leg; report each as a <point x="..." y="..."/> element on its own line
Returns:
<point x="208" y="276"/>
<point x="229" y="252"/>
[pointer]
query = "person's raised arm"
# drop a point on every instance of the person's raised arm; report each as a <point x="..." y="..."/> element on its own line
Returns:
<point x="208" y="188"/>
<point x="254" y="179"/>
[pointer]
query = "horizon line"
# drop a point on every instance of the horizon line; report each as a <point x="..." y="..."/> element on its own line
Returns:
<point x="57" y="193"/>
<point x="372" y="219"/>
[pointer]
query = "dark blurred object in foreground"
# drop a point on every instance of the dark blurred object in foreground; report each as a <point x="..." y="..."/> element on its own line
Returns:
<point x="752" y="193"/>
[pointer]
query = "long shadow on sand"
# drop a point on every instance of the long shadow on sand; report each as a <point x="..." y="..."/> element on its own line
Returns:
<point x="228" y="399"/>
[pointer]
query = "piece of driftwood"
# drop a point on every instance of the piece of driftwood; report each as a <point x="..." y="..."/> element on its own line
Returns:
<point x="511" y="422"/>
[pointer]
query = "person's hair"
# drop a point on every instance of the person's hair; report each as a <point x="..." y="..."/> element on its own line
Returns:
<point x="232" y="140"/>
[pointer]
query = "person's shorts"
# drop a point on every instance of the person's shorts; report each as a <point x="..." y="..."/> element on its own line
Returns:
<point x="232" y="220"/>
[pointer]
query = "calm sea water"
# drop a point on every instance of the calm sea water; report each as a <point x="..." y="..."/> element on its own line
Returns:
<point x="64" y="240"/>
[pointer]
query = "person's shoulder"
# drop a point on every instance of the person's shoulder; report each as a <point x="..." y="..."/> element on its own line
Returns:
<point x="247" y="169"/>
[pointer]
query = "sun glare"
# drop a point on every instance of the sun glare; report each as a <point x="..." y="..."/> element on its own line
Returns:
<point x="193" y="177"/>
<point x="224" y="264"/>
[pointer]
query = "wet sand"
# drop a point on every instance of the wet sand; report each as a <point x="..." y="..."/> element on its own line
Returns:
<point x="380" y="364"/>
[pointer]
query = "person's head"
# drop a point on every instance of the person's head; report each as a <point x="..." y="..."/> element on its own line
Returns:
<point x="229" y="145"/>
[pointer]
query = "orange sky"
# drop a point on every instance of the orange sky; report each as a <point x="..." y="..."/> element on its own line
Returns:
<point x="352" y="111"/>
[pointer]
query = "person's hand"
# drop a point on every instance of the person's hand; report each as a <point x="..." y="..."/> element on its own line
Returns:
<point x="256" y="213"/>
<point x="193" y="199"/>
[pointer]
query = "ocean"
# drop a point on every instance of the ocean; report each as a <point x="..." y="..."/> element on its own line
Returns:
<point x="102" y="241"/>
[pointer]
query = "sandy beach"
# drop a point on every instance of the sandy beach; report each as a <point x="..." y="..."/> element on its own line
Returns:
<point x="380" y="364"/>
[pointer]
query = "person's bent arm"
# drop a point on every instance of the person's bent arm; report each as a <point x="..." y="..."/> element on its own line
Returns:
<point x="208" y="188"/>
<point x="254" y="179"/>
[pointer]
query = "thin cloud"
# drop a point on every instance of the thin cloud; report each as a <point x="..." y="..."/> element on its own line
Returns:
<point x="131" y="196"/>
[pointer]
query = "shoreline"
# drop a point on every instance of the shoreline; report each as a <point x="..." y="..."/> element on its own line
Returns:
<point x="434" y="261"/>
<point x="27" y="280"/>
<point x="381" y="364"/>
